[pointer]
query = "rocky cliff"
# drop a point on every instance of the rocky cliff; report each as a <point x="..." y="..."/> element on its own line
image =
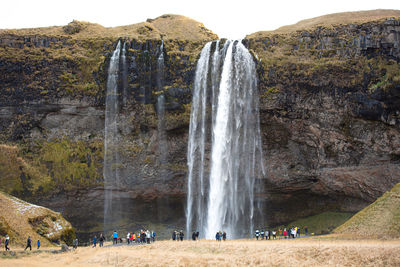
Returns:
<point x="329" y="93"/>
<point x="330" y="112"/>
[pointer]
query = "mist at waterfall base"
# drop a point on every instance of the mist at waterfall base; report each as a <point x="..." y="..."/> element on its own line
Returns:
<point x="224" y="128"/>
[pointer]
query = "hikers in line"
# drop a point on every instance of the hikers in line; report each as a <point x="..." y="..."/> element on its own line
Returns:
<point x="28" y="243"/>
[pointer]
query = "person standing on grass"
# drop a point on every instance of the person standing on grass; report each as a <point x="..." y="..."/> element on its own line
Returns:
<point x="38" y="244"/>
<point x="284" y="233"/>
<point x="274" y="234"/>
<point x="217" y="236"/>
<point x="224" y="236"/>
<point x="262" y="234"/>
<point x="7" y="242"/>
<point x="94" y="241"/>
<point x="128" y="238"/>
<point x="28" y="243"/>
<point x="280" y="233"/>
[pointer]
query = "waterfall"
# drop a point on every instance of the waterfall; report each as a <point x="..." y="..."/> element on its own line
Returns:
<point x="162" y="146"/>
<point x="111" y="155"/>
<point x="124" y="75"/>
<point x="221" y="191"/>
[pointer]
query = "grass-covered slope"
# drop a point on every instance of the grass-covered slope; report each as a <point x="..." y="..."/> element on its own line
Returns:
<point x="167" y="27"/>
<point x="20" y="219"/>
<point x="335" y="19"/>
<point x="381" y="219"/>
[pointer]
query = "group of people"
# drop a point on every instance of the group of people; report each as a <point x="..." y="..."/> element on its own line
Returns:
<point x="143" y="236"/>
<point x="220" y="236"/>
<point x="28" y="243"/>
<point x="292" y="232"/>
<point x="178" y="235"/>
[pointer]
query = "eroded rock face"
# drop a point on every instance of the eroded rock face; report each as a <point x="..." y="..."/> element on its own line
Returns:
<point x="329" y="111"/>
<point x="330" y="132"/>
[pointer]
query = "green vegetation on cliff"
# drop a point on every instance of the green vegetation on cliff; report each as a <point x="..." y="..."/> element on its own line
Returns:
<point x="337" y="50"/>
<point x="55" y="166"/>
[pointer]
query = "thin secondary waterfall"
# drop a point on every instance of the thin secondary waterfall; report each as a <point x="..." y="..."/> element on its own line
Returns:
<point x="162" y="146"/>
<point x="111" y="156"/>
<point x="124" y="75"/>
<point x="221" y="191"/>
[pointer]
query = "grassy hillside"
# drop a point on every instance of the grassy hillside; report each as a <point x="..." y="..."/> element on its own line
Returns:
<point x="20" y="219"/>
<point x="166" y="26"/>
<point x="381" y="219"/>
<point x="330" y="20"/>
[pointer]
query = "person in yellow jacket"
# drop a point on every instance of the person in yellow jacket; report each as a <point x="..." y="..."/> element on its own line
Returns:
<point x="133" y="237"/>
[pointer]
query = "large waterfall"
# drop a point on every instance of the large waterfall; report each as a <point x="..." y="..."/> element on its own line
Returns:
<point x="111" y="140"/>
<point x="224" y="128"/>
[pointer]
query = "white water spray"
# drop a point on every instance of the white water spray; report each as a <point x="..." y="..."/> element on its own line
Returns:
<point x="236" y="153"/>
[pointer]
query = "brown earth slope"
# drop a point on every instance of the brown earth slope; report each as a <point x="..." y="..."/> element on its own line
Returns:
<point x="20" y="219"/>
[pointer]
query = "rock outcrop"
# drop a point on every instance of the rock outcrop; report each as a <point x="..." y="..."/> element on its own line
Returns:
<point x="329" y="110"/>
<point x="20" y="219"/>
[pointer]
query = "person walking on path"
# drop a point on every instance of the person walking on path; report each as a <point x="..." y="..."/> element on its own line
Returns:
<point x="28" y="243"/>
<point x="224" y="236"/>
<point x="38" y="244"/>
<point x="115" y="237"/>
<point x="7" y="243"/>
<point x="75" y="243"/>
<point x="101" y="240"/>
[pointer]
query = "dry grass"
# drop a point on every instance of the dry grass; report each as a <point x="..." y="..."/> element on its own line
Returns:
<point x="174" y="27"/>
<point x="302" y="252"/>
<point x="357" y="17"/>
<point x="19" y="219"/>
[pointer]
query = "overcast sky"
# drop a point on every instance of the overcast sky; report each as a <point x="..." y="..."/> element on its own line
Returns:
<point x="230" y="19"/>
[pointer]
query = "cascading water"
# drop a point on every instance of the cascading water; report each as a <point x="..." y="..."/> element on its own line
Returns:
<point x="124" y="75"/>
<point x="221" y="192"/>
<point x="111" y="155"/>
<point x="162" y="146"/>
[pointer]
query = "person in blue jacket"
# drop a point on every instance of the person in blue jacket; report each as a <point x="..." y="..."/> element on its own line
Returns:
<point x="115" y="237"/>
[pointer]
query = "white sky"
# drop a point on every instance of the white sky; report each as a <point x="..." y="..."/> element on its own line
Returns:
<point x="230" y="19"/>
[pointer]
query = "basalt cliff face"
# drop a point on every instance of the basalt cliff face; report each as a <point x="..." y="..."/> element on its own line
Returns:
<point x="329" y="111"/>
